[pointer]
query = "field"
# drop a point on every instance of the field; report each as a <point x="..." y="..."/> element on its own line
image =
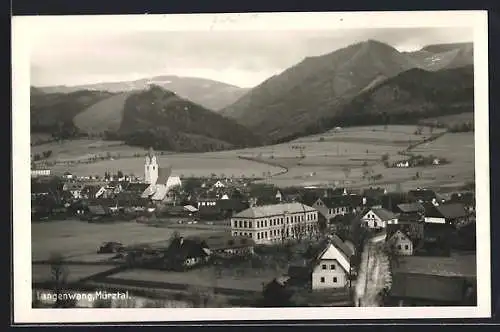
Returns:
<point x="42" y="272"/>
<point x="107" y="114"/>
<point x="79" y="240"/>
<point x="332" y="157"/>
<point x="451" y="119"/>
<point x="203" y="277"/>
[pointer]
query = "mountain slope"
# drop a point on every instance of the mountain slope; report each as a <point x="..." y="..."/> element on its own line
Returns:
<point x="444" y="56"/>
<point x="405" y="98"/>
<point x="318" y="87"/>
<point x="208" y="93"/>
<point x="48" y="110"/>
<point x="286" y="102"/>
<point x="159" y="118"/>
<point x="105" y="115"/>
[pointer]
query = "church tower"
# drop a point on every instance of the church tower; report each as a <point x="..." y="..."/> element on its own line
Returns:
<point x="151" y="168"/>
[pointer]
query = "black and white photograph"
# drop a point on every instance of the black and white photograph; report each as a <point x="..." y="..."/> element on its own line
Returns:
<point x="251" y="166"/>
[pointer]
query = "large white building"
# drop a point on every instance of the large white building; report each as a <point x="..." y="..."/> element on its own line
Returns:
<point x="274" y="223"/>
<point x="151" y="168"/>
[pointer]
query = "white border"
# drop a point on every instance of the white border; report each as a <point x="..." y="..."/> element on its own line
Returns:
<point x="22" y="32"/>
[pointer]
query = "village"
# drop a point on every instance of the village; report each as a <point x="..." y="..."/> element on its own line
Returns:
<point x="259" y="245"/>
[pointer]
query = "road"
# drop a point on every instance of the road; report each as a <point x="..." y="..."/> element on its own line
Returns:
<point x="374" y="273"/>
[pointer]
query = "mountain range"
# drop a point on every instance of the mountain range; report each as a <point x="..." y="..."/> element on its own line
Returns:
<point x="210" y="94"/>
<point x="321" y="87"/>
<point x="362" y="84"/>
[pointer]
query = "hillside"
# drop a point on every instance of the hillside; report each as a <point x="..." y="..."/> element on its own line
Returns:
<point x="208" y="93"/>
<point x="406" y="98"/>
<point x="161" y="119"/>
<point x="444" y="56"/>
<point x="318" y="87"/>
<point x="49" y="110"/>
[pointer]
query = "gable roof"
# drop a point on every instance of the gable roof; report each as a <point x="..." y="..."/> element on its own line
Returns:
<point x="336" y="201"/>
<point x="411" y="207"/>
<point x="274" y="210"/>
<point x="331" y="252"/>
<point x="452" y="210"/>
<point x="163" y="175"/>
<point x="382" y="213"/>
<point x="425" y="195"/>
<point x="342" y="246"/>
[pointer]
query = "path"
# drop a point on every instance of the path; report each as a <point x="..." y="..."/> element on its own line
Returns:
<point x="374" y="273"/>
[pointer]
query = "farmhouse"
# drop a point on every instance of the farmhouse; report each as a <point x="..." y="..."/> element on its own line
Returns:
<point x="452" y="213"/>
<point x="400" y="242"/>
<point x="40" y="172"/>
<point x="184" y="254"/>
<point x="225" y="245"/>
<point x="331" y="207"/>
<point x="422" y="195"/>
<point x="274" y="223"/>
<point x="376" y="218"/>
<point x="219" y="184"/>
<point x="75" y="188"/>
<point x="332" y="267"/>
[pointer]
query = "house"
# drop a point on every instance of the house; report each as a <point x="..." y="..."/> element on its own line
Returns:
<point x="467" y="199"/>
<point x="434" y="281"/>
<point x="422" y="195"/>
<point x="374" y="193"/>
<point x="40" y="172"/>
<point x="224" y="245"/>
<point x="68" y="175"/>
<point x="402" y="164"/>
<point x="74" y="188"/>
<point x="274" y="223"/>
<point x="279" y="196"/>
<point x="332" y="267"/>
<point x="219" y="184"/>
<point x="183" y="254"/>
<point x="410" y="289"/>
<point x="400" y="242"/>
<point x="376" y="218"/>
<point x="451" y="213"/>
<point x="331" y="207"/>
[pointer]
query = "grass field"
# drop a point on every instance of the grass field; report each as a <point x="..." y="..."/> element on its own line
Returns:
<point x="325" y="157"/>
<point x="204" y="277"/>
<point x="78" y="239"/>
<point x="107" y="114"/>
<point x="42" y="272"/>
<point x="452" y="119"/>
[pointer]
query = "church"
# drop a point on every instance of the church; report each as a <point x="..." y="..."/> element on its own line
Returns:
<point x="159" y="179"/>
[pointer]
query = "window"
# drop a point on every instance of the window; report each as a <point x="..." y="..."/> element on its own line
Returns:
<point x="332" y="266"/>
<point x="324" y="267"/>
<point x="334" y="279"/>
<point x="250" y="224"/>
<point x="406" y="247"/>
<point x="240" y="223"/>
<point x="399" y="246"/>
<point x="245" y="224"/>
<point x="322" y="279"/>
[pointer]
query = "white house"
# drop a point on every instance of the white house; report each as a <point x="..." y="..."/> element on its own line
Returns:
<point x="278" y="196"/>
<point x="219" y="184"/>
<point x="401" y="243"/>
<point x="40" y="172"/>
<point x="377" y="218"/>
<point x="332" y="267"/>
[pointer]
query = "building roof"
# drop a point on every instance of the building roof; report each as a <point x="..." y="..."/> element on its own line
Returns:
<point x="342" y="246"/>
<point x="226" y="241"/>
<point x="437" y="288"/>
<point x="136" y="187"/>
<point x="411" y="207"/>
<point x="452" y="210"/>
<point x="383" y="213"/>
<point x="274" y="210"/>
<point x="182" y="248"/>
<point x="163" y="174"/>
<point x="336" y="201"/>
<point x="425" y="195"/>
<point x="374" y="192"/>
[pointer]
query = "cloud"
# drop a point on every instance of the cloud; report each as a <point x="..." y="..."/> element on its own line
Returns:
<point x="244" y="58"/>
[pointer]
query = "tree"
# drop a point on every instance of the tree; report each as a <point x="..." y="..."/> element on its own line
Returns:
<point x="119" y="174"/>
<point x="59" y="273"/>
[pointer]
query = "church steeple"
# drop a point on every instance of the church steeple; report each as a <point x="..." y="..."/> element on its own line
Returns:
<point x="151" y="167"/>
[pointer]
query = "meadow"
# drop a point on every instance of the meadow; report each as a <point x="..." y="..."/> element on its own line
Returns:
<point x="337" y="156"/>
<point x="79" y="240"/>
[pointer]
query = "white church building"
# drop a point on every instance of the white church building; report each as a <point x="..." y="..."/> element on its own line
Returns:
<point x="159" y="179"/>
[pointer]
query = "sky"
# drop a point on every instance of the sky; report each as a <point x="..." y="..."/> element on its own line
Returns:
<point x="242" y="58"/>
